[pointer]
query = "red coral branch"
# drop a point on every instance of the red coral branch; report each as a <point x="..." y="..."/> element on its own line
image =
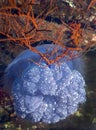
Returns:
<point x="76" y="33"/>
<point x="92" y="3"/>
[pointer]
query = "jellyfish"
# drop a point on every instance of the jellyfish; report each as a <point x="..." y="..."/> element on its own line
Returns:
<point x="45" y="93"/>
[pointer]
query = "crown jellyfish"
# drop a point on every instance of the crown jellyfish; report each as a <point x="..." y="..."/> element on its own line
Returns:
<point x="46" y="93"/>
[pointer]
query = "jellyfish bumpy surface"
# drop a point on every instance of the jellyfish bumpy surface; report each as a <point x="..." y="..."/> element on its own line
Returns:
<point x="46" y="93"/>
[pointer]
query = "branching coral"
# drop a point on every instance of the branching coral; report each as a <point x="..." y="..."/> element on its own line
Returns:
<point x="92" y="3"/>
<point x="31" y="26"/>
<point x="76" y="33"/>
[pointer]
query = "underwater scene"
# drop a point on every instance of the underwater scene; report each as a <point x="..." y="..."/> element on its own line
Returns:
<point x="74" y="116"/>
<point x="47" y="65"/>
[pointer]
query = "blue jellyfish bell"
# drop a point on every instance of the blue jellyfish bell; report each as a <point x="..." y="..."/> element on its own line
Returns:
<point x="46" y="93"/>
